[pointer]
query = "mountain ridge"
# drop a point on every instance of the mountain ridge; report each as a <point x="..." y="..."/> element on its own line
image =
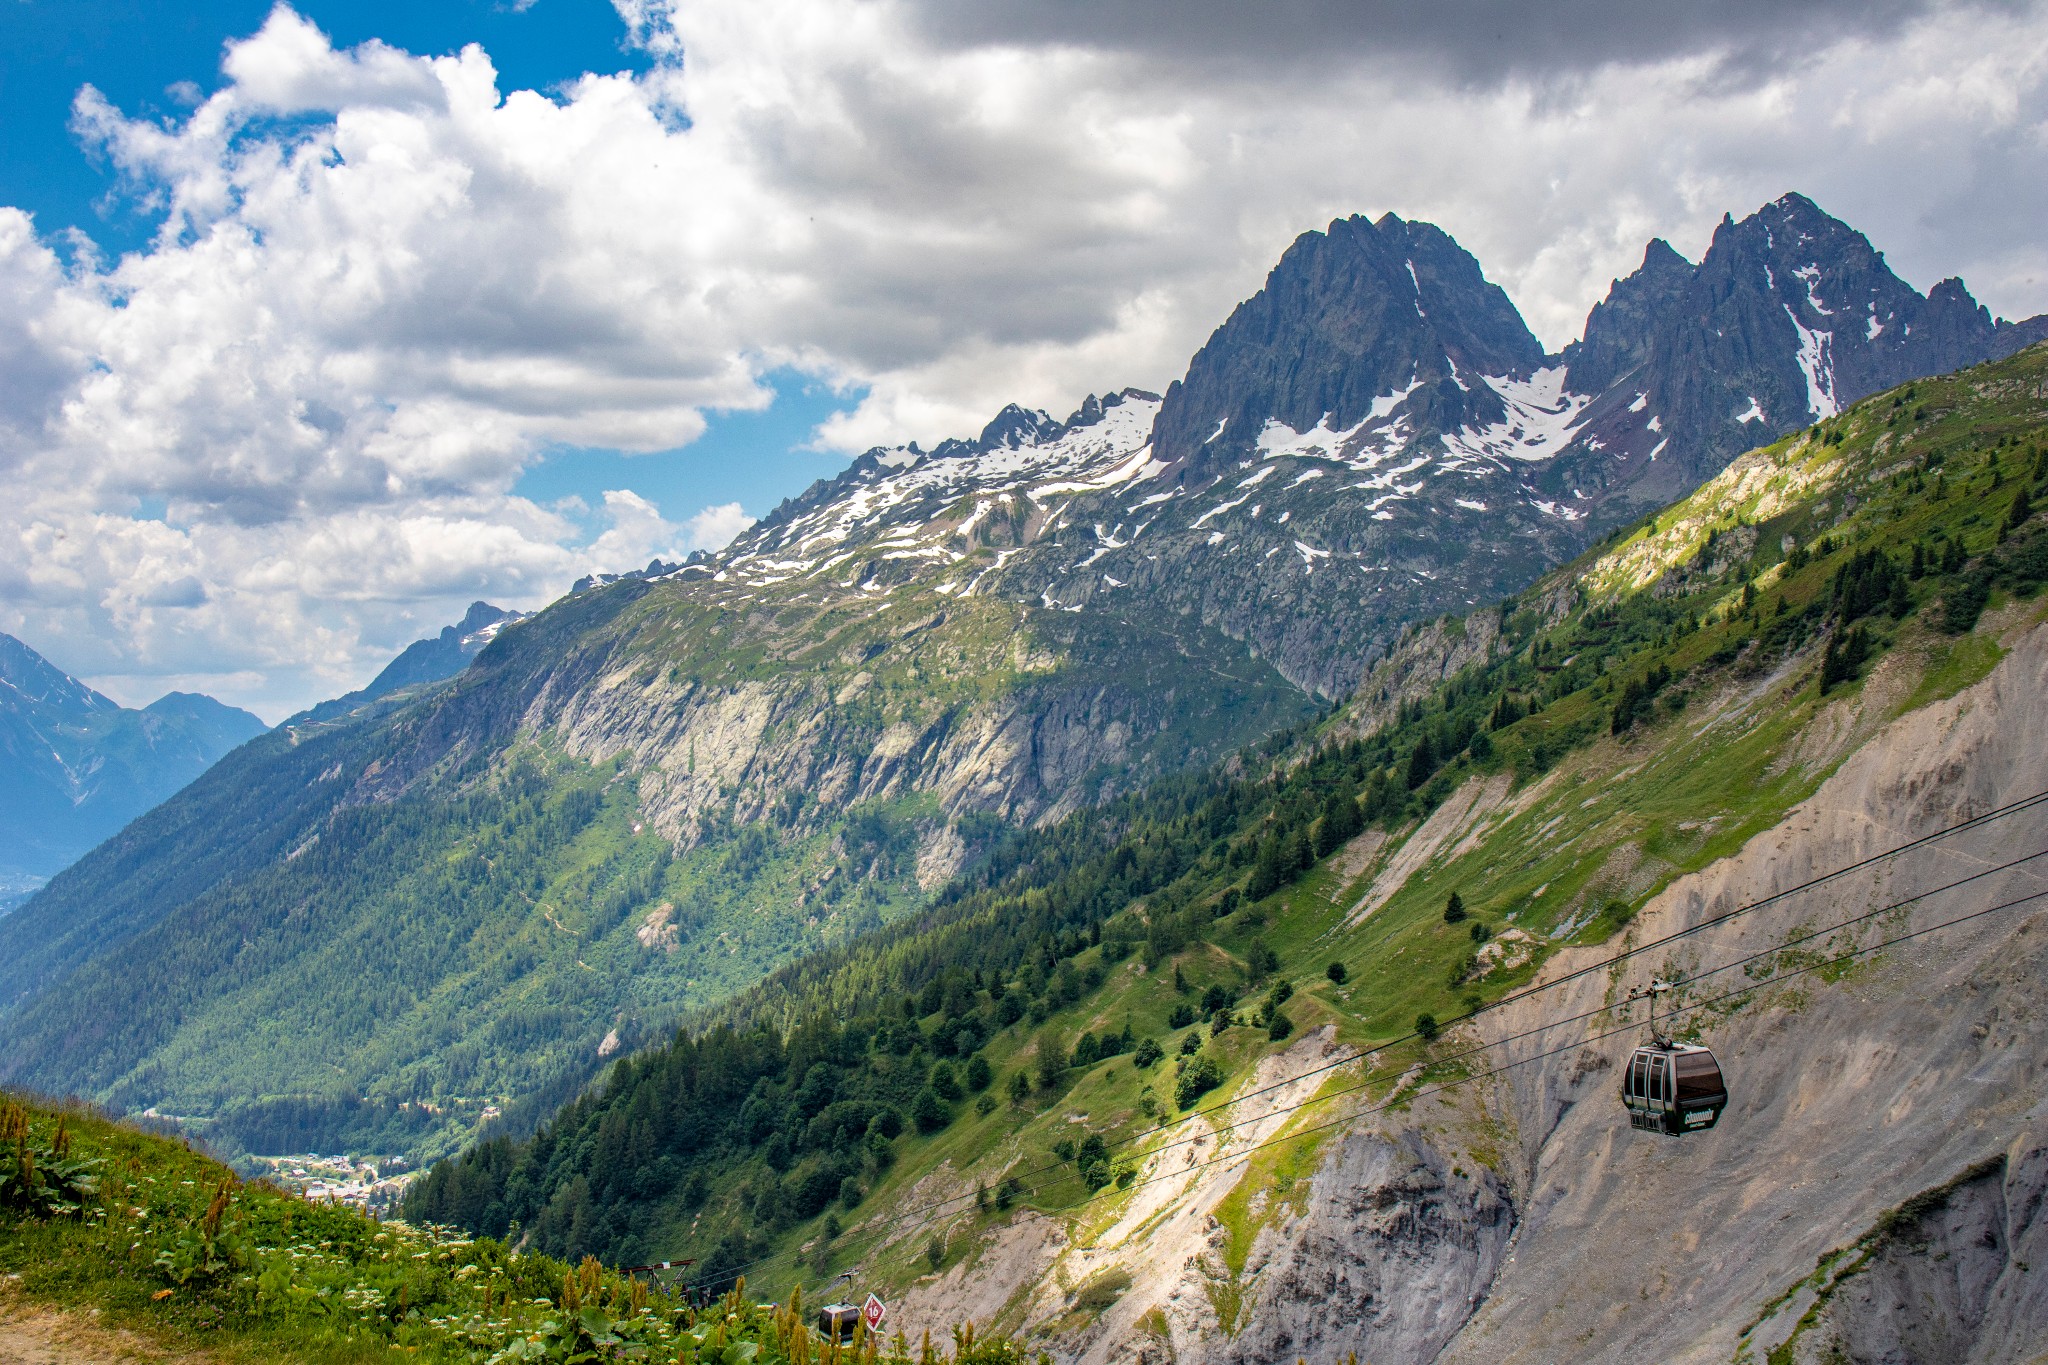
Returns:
<point x="79" y="765"/>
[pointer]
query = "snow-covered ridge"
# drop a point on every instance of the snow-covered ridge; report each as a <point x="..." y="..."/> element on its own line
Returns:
<point x="929" y="507"/>
<point x="949" y="518"/>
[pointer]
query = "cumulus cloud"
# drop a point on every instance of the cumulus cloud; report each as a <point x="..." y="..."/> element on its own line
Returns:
<point x="714" y="528"/>
<point x="285" y="438"/>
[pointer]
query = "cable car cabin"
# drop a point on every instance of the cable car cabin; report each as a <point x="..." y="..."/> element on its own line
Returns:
<point x="836" y="1321"/>
<point x="1673" y="1088"/>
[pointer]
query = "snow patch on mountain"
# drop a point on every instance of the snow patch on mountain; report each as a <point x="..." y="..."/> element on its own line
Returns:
<point x="1818" y="368"/>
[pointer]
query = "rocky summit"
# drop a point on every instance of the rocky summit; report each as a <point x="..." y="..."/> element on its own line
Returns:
<point x="1376" y="438"/>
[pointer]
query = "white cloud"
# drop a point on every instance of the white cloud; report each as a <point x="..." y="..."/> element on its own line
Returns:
<point x="714" y="528"/>
<point x="284" y="439"/>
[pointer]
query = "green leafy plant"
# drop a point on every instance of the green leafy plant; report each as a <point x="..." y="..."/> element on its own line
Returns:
<point x="42" y="1181"/>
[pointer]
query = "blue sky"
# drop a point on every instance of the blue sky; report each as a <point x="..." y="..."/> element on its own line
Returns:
<point x="137" y="51"/>
<point x="139" y="54"/>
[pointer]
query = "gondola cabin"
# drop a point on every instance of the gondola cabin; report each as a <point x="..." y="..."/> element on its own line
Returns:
<point x="836" y="1321"/>
<point x="1673" y="1088"/>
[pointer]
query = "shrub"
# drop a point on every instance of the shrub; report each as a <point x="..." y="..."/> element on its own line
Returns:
<point x="978" y="1073"/>
<point x="1340" y="821"/>
<point x="1964" y="603"/>
<point x="1426" y="1027"/>
<point x="1148" y="1052"/>
<point x="1052" y="1061"/>
<point x="1280" y="1027"/>
<point x="1102" y="1291"/>
<point x="1191" y="1044"/>
<point x="928" y="1112"/>
<point x="1842" y="657"/>
<point x="1338" y="973"/>
<point x="944" y="1083"/>
<point x="1197" y="1078"/>
<point x="1183" y="1015"/>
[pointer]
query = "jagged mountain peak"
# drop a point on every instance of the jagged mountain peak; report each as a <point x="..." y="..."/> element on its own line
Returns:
<point x="1016" y="426"/>
<point x="1376" y="435"/>
<point x="1790" y="316"/>
<point x="1351" y="316"/>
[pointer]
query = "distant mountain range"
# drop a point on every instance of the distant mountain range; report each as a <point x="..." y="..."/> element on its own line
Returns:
<point x="75" y="766"/>
<point x="79" y="766"/>
<point x="646" y="795"/>
<point x="423" y="661"/>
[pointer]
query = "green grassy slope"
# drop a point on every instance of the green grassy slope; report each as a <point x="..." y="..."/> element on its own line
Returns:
<point x="1633" y="717"/>
<point x="122" y="1229"/>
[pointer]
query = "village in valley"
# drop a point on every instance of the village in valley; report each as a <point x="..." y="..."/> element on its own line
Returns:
<point x="373" y="1184"/>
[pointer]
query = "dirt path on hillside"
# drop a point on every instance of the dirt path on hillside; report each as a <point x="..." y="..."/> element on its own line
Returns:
<point x="32" y="1333"/>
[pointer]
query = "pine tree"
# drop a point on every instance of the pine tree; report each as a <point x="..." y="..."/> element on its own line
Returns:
<point x="1454" y="909"/>
<point x="2022" y="508"/>
<point x="1268" y="874"/>
<point x="1421" y="762"/>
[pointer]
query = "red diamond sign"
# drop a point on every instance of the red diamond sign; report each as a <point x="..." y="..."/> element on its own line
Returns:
<point x="873" y="1312"/>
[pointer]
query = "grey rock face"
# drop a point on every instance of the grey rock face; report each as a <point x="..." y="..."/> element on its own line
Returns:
<point x="1848" y="1098"/>
<point x="1789" y="317"/>
<point x="1348" y="316"/>
<point x="1947" y="1277"/>
<point x="1395" y="1253"/>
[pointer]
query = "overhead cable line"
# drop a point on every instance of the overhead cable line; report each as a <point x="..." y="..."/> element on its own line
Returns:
<point x="929" y="1213"/>
<point x="1561" y="1022"/>
<point x="1638" y="950"/>
<point x="1709" y="1003"/>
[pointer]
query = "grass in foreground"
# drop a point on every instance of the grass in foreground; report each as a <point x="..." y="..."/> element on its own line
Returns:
<point x="169" y="1243"/>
